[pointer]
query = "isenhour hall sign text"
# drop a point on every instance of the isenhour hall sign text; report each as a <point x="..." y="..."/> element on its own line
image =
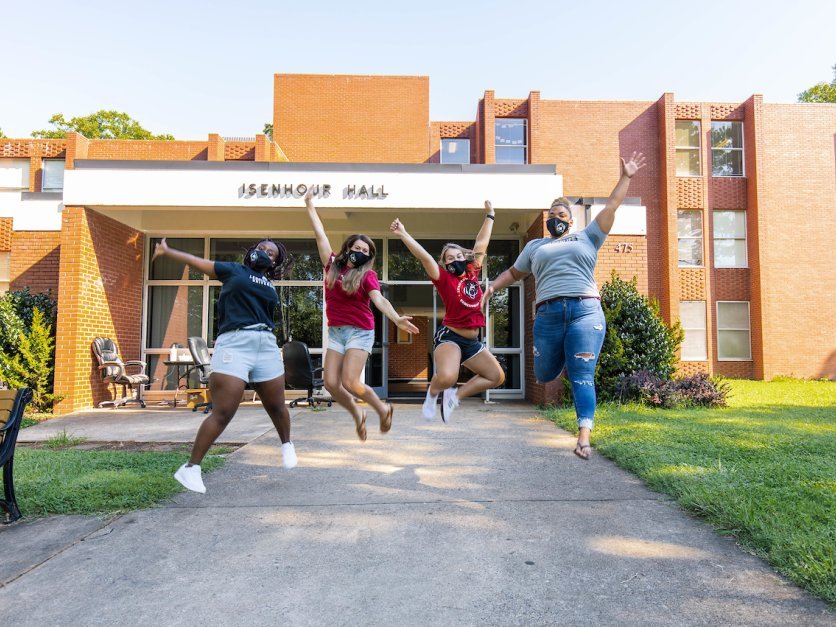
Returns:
<point x="288" y="190"/>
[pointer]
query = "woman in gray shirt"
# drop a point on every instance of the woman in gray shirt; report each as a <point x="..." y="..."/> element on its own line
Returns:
<point x="569" y="320"/>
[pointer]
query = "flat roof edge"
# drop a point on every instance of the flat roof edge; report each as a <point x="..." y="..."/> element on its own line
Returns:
<point x="277" y="166"/>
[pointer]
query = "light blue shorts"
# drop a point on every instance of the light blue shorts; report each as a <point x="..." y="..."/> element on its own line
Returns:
<point x="341" y="338"/>
<point x="251" y="356"/>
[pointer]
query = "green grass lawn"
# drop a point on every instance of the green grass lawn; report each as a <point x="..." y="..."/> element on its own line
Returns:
<point x="762" y="469"/>
<point x="96" y="482"/>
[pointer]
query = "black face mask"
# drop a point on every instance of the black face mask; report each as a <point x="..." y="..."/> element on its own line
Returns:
<point x="260" y="260"/>
<point x="557" y="227"/>
<point x="358" y="258"/>
<point x="457" y="268"/>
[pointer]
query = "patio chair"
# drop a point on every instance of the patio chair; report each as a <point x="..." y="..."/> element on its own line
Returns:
<point x="12" y="404"/>
<point x="299" y="374"/>
<point x="113" y="371"/>
<point x="203" y="364"/>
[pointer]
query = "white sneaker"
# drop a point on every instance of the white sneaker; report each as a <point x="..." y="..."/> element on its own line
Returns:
<point x="428" y="409"/>
<point x="449" y="402"/>
<point x="289" y="459"/>
<point x="190" y="478"/>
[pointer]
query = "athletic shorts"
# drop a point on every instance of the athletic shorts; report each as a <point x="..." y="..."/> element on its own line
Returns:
<point x="469" y="348"/>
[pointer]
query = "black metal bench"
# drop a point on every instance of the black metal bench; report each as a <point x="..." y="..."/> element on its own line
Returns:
<point x="12" y="404"/>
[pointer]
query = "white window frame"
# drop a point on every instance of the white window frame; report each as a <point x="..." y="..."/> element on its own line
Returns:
<point x="5" y="271"/>
<point x="742" y="152"/>
<point x="702" y="330"/>
<point x="44" y="187"/>
<point x="748" y="329"/>
<point x="524" y="147"/>
<point x="701" y="238"/>
<point x="456" y="139"/>
<point x="745" y="263"/>
<point x="697" y="148"/>
<point x="9" y="181"/>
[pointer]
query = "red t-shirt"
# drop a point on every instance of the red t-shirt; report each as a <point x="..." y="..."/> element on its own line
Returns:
<point x="461" y="296"/>
<point x="350" y="309"/>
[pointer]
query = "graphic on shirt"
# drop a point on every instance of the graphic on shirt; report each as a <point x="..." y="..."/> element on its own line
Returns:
<point x="468" y="292"/>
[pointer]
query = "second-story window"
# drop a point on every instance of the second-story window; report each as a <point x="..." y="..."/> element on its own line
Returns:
<point x="53" y="175"/>
<point x="688" y="148"/>
<point x="727" y="149"/>
<point x="455" y="151"/>
<point x="511" y="140"/>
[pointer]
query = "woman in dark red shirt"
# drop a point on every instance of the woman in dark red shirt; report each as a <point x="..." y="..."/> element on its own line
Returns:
<point x="350" y="285"/>
<point x="457" y="342"/>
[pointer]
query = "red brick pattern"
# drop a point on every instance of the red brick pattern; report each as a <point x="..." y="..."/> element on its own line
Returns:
<point x="727" y="193"/>
<point x="692" y="283"/>
<point x="6" y="234"/>
<point x="147" y="150"/>
<point x="687" y="111"/>
<point x="35" y="261"/>
<point x="410" y="361"/>
<point x="99" y="294"/>
<point x="352" y="119"/>
<point x="726" y="111"/>
<point x="689" y="192"/>
<point x="506" y="108"/>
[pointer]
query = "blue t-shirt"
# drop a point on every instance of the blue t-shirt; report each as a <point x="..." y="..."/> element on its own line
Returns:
<point x="563" y="266"/>
<point x="247" y="297"/>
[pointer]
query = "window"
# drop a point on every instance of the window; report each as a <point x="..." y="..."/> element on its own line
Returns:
<point x="689" y="231"/>
<point x="5" y="271"/>
<point x="730" y="239"/>
<point x="688" y="148"/>
<point x="734" y="341"/>
<point x="727" y="149"/>
<point x="511" y="140"/>
<point x="692" y="318"/>
<point x="14" y="173"/>
<point x="53" y="175"/>
<point x="455" y="151"/>
<point x="404" y="337"/>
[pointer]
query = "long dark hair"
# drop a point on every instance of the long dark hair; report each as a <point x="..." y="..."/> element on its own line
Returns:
<point x="352" y="278"/>
<point x="280" y="268"/>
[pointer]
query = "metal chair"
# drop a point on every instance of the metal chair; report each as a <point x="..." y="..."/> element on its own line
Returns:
<point x="113" y="371"/>
<point x="203" y="364"/>
<point x="299" y="374"/>
<point x="12" y="404"/>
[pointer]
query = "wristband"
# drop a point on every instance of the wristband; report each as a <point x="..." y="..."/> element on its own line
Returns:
<point x="487" y="215"/>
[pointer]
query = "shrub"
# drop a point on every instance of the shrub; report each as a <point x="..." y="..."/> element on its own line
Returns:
<point x="16" y="313"/>
<point x="637" y="338"/>
<point x="648" y="388"/>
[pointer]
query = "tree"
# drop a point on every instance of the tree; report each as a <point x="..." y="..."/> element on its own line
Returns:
<point x="2" y="134"/>
<point x="100" y="125"/>
<point x="268" y="130"/>
<point x="823" y="92"/>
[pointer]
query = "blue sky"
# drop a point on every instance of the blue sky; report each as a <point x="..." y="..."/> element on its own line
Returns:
<point x="191" y="68"/>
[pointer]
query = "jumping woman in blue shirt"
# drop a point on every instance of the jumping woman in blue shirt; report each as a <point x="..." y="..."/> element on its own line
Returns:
<point x="246" y="350"/>
<point x="569" y="327"/>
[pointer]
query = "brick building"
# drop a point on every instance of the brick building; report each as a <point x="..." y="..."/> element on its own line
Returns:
<point x="728" y="226"/>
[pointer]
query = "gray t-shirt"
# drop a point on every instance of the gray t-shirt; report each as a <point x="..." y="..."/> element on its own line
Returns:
<point x="564" y="266"/>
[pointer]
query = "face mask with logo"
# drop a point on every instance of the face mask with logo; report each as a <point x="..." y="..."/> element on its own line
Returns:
<point x="358" y="258"/>
<point x="260" y="260"/>
<point x="557" y="227"/>
<point x="457" y="268"/>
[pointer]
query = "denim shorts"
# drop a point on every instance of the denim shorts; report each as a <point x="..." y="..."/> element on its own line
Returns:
<point x="249" y="355"/>
<point x="469" y="348"/>
<point x="341" y="338"/>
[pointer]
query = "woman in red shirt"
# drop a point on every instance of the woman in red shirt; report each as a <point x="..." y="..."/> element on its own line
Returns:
<point x="456" y="343"/>
<point x="350" y="284"/>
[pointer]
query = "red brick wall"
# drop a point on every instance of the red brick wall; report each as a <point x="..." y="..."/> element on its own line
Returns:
<point x="35" y="261"/>
<point x="99" y="294"/>
<point x="6" y="234"/>
<point x="357" y="119"/>
<point x="797" y="207"/>
<point x="410" y="361"/>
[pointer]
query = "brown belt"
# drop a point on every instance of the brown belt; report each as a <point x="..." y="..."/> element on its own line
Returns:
<point x="550" y="300"/>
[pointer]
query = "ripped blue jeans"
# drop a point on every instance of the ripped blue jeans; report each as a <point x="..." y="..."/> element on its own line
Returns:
<point x="570" y="332"/>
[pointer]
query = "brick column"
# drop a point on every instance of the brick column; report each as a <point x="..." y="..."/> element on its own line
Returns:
<point x="489" y="128"/>
<point x="215" y="151"/>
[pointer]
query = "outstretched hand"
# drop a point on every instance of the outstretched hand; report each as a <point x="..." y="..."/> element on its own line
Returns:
<point x="160" y="249"/>
<point x="404" y="324"/>
<point x="637" y="162"/>
<point x="486" y="296"/>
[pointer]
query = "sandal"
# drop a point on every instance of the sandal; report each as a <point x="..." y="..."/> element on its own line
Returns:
<point x="386" y="421"/>
<point x="584" y="451"/>
<point x="361" y="426"/>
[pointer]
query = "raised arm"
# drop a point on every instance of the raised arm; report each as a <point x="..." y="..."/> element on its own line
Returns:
<point x="480" y="248"/>
<point x="206" y="266"/>
<point x="402" y="322"/>
<point x="322" y="243"/>
<point x="619" y="192"/>
<point x="510" y="276"/>
<point x="430" y="264"/>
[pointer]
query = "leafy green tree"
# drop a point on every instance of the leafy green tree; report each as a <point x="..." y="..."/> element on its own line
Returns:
<point x="637" y="338"/>
<point x="33" y="364"/>
<point x="823" y="92"/>
<point x="2" y="134"/>
<point x="16" y="314"/>
<point x="100" y="125"/>
<point x="268" y="130"/>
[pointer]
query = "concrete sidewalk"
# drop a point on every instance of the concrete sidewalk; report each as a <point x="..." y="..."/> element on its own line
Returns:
<point x="490" y="520"/>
